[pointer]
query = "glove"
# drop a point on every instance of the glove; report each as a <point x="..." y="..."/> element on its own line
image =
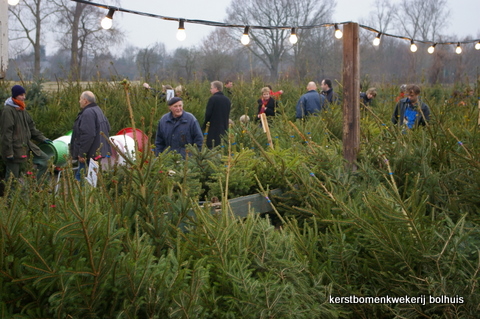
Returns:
<point x="10" y="158"/>
<point x="48" y="141"/>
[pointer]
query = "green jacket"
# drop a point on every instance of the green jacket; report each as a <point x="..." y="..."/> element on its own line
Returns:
<point x="17" y="129"/>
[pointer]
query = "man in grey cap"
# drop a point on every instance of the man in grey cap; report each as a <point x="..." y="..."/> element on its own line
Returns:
<point x="177" y="128"/>
<point x="17" y="129"/>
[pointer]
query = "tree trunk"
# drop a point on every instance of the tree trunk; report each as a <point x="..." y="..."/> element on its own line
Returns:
<point x="37" y="48"/>
<point x="74" y="61"/>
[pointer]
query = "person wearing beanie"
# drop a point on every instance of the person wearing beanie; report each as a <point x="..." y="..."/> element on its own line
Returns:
<point x="177" y="129"/>
<point x="87" y="141"/>
<point x="17" y="129"/>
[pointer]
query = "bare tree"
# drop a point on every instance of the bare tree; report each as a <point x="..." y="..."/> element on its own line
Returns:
<point x="184" y="62"/>
<point x="27" y="21"/>
<point x="269" y="45"/>
<point x="422" y="19"/>
<point x="217" y="55"/>
<point x="151" y="60"/>
<point x="81" y="22"/>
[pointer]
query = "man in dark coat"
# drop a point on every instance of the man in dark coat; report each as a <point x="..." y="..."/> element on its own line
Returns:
<point x="87" y="142"/>
<point x="16" y="131"/>
<point x="217" y="114"/>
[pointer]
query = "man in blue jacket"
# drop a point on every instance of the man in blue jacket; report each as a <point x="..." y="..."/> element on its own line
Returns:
<point x="87" y="141"/>
<point x="177" y="128"/>
<point x="411" y="111"/>
<point x="311" y="102"/>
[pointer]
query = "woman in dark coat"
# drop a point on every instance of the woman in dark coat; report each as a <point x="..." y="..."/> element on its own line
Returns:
<point x="266" y="104"/>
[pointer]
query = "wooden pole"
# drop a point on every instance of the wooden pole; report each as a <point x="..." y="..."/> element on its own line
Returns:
<point x="351" y="94"/>
<point x="266" y="129"/>
<point x="479" y="112"/>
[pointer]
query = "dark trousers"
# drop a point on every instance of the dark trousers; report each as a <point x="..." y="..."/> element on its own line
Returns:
<point x="41" y="162"/>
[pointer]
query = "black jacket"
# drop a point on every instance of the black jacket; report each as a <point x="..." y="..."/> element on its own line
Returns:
<point x="271" y="104"/>
<point x="86" y="138"/>
<point x="218" y="114"/>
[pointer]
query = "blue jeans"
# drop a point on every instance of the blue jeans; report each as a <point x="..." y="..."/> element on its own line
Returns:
<point x="80" y="171"/>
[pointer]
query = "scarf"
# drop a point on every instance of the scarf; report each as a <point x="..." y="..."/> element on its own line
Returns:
<point x="264" y="106"/>
<point x="21" y="104"/>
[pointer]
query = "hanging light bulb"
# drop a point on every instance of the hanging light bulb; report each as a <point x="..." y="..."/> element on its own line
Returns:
<point x="376" y="41"/>
<point x="431" y="48"/>
<point x="413" y="46"/>
<point x="245" y="38"/>
<point x="293" y="37"/>
<point x="477" y="45"/>
<point x="108" y="20"/>
<point x="458" y="49"/>
<point x="13" y="2"/>
<point x="181" y="35"/>
<point x="338" y="32"/>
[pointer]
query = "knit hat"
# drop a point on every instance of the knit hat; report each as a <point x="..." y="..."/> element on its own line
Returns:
<point x="173" y="100"/>
<point x="17" y="90"/>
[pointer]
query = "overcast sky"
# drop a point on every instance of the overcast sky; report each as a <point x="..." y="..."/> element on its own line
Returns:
<point x="142" y="31"/>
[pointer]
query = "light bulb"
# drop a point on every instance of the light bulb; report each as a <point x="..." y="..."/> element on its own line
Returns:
<point x="431" y="48"/>
<point x="413" y="47"/>
<point x="338" y="32"/>
<point x="245" y="39"/>
<point x="477" y="45"/>
<point x="458" y="49"/>
<point x="181" y="34"/>
<point x="13" y="2"/>
<point x="376" y="41"/>
<point x="293" y="37"/>
<point x="106" y="23"/>
<point x="108" y="20"/>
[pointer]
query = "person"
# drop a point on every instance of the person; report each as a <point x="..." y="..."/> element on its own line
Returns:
<point x="180" y="91"/>
<point x="17" y="129"/>
<point x="411" y="111"/>
<point x="327" y="91"/>
<point x="87" y="141"/>
<point x="311" y="102"/>
<point x="177" y="128"/>
<point x="367" y="97"/>
<point x="266" y="104"/>
<point x="165" y="94"/>
<point x="217" y="114"/>
<point x="228" y="88"/>
<point x="401" y="95"/>
<point x="275" y="95"/>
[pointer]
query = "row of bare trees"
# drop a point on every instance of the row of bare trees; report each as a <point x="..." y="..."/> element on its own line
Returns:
<point x="85" y="50"/>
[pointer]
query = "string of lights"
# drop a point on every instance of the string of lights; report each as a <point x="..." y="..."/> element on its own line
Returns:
<point x="107" y="23"/>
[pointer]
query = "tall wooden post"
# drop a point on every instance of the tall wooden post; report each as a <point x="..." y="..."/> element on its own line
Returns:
<point x="3" y="38"/>
<point x="351" y="94"/>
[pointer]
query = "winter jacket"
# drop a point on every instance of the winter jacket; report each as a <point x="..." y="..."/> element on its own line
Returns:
<point x="364" y="98"/>
<point x="310" y="103"/>
<point x="270" y="107"/>
<point x="86" y="138"/>
<point x="398" y="116"/>
<point x="176" y="133"/>
<point x="218" y="114"/>
<point x="331" y="96"/>
<point x="17" y="129"/>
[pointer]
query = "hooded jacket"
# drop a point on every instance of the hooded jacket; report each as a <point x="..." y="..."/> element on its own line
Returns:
<point x="17" y="129"/>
